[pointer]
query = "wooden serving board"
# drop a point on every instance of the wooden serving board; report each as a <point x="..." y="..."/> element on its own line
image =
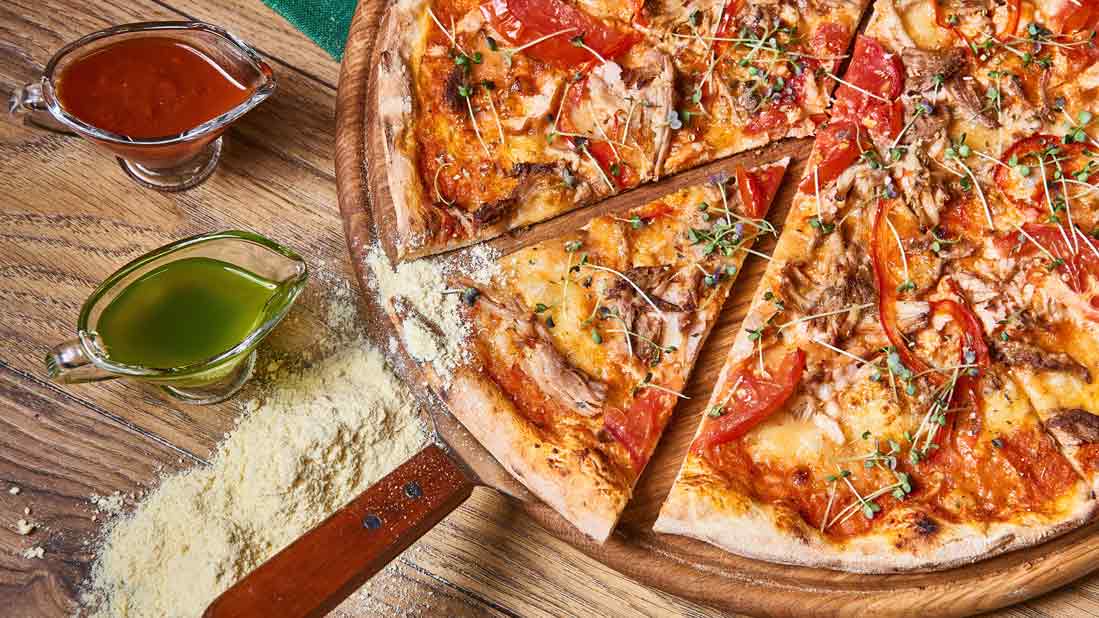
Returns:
<point x="678" y="565"/>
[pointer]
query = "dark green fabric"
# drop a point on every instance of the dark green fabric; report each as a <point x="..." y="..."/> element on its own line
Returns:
<point x="324" y="21"/>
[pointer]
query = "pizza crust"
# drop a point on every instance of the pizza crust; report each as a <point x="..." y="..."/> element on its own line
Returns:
<point x="586" y="501"/>
<point x="916" y="543"/>
<point x="399" y="37"/>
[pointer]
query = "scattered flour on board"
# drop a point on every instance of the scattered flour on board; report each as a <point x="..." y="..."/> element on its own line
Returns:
<point x="24" y="527"/>
<point x="318" y="438"/>
<point x="111" y="505"/>
<point x="34" y="553"/>
<point x="424" y="284"/>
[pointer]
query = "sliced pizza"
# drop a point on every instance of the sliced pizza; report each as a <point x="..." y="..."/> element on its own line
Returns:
<point x="912" y="386"/>
<point x="583" y="344"/>
<point x="502" y="113"/>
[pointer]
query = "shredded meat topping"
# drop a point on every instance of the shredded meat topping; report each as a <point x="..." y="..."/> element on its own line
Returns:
<point x="1021" y="353"/>
<point x="1074" y="427"/>
<point x="545" y="364"/>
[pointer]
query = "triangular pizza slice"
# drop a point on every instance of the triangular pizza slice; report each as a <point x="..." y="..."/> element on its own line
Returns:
<point x="581" y="345"/>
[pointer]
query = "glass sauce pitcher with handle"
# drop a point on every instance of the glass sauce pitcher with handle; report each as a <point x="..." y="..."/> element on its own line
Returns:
<point x="88" y="357"/>
<point x="178" y="159"/>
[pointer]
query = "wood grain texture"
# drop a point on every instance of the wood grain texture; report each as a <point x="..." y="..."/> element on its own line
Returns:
<point x="68" y="218"/>
<point x="684" y="566"/>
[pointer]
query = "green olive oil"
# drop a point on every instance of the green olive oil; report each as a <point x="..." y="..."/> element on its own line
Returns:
<point x="183" y="312"/>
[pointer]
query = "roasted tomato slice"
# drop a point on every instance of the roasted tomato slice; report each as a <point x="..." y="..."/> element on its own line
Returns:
<point x="726" y="26"/>
<point x="1073" y="15"/>
<point x="965" y="399"/>
<point x="638" y="428"/>
<point x="752" y="399"/>
<point x="1076" y="266"/>
<point x="757" y="188"/>
<point x="523" y="21"/>
<point x="878" y="77"/>
<point x="836" y="148"/>
<point x="829" y="41"/>
<point x="619" y="172"/>
<point x="973" y="349"/>
<point x="1021" y="178"/>
<point x="887" y="282"/>
<point x="1011" y="23"/>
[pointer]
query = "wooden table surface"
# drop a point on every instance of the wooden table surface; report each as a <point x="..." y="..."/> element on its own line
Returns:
<point x="68" y="218"/>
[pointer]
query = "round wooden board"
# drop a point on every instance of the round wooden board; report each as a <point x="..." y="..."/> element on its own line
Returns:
<point x="682" y="566"/>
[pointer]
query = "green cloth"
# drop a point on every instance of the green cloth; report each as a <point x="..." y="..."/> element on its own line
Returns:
<point x="324" y="21"/>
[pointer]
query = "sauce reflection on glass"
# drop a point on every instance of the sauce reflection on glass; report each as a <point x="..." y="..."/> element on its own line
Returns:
<point x="148" y="87"/>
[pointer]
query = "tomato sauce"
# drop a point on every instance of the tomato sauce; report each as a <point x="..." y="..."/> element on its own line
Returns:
<point x="148" y="87"/>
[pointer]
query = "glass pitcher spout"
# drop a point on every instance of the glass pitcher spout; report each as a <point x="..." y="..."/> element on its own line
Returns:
<point x="68" y="364"/>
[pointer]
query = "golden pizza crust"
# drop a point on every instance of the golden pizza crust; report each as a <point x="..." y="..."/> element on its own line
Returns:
<point x="910" y="541"/>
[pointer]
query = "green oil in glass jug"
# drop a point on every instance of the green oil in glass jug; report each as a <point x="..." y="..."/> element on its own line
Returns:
<point x="187" y="316"/>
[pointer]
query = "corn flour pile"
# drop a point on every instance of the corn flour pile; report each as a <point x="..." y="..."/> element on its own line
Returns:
<point x="319" y="438"/>
<point x="436" y="333"/>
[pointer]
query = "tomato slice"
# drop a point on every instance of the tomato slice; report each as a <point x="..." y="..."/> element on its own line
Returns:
<point x="1075" y="266"/>
<point x="836" y="147"/>
<point x="878" y="72"/>
<point x="1073" y="15"/>
<point x="619" y="172"/>
<point x="726" y="26"/>
<point x="757" y="188"/>
<point x="887" y="284"/>
<point x="1030" y="153"/>
<point x="637" y="429"/>
<point x="1014" y="8"/>
<point x="830" y="41"/>
<point x="523" y="21"/>
<point x="752" y="400"/>
<point x="973" y="351"/>
<point x="967" y="390"/>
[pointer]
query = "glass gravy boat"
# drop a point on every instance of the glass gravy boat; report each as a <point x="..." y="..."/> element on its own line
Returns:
<point x="86" y="359"/>
<point x="168" y="163"/>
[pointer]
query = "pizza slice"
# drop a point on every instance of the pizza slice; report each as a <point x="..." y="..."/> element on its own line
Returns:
<point x="582" y="344"/>
<point x="875" y="413"/>
<point x="861" y="422"/>
<point x="502" y="113"/>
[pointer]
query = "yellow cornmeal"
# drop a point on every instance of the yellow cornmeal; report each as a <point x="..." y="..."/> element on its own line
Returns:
<point x="318" y="439"/>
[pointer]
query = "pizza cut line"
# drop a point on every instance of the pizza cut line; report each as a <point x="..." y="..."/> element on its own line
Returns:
<point x="582" y="344"/>
<point x="913" y="386"/>
<point x="496" y="114"/>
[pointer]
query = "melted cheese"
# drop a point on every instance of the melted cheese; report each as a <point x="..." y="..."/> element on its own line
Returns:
<point x="1050" y="391"/>
<point x="786" y="441"/>
<point x="1006" y="408"/>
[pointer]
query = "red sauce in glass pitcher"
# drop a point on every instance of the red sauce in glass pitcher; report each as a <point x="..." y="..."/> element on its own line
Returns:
<point x="148" y="87"/>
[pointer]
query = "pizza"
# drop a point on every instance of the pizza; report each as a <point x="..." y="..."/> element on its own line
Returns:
<point x="497" y="114"/>
<point x="583" y="343"/>
<point x="914" y="386"/>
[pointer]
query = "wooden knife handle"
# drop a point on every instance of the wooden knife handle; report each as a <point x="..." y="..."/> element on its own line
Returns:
<point x="312" y="575"/>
